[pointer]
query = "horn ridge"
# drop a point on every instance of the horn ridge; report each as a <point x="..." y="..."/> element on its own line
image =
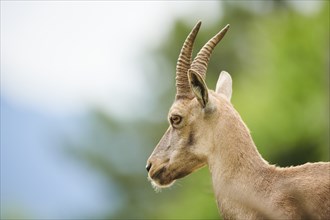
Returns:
<point x="184" y="63"/>
<point x="201" y="61"/>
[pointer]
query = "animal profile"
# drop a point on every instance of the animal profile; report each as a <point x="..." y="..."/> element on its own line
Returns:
<point x="206" y="130"/>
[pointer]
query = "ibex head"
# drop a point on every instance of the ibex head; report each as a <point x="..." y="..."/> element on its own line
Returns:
<point x="186" y="143"/>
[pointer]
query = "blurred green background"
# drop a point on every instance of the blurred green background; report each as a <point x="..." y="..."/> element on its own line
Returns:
<point x="278" y="57"/>
<point x="279" y="61"/>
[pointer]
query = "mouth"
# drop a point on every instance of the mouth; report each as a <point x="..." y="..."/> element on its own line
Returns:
<point x="159" y="179"/>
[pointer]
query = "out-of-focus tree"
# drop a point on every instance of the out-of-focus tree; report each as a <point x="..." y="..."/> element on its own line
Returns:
<point x="279" y="61"/>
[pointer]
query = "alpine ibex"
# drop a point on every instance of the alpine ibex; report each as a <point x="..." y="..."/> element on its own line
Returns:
<point x="205" y="129"/>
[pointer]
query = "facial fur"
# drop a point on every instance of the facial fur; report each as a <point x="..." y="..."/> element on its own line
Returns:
<point x="183" y="148"/>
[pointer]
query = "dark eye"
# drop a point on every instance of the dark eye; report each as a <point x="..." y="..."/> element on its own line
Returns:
<point x="176" y="119"/>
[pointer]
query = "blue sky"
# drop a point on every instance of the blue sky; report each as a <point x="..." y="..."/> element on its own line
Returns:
<point x="36" y="176"/>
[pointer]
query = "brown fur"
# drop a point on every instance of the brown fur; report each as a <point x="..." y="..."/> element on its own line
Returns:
<point x="212" y="133"/>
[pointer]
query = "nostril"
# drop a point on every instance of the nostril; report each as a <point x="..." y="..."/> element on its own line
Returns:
<point x="148" y="166"/>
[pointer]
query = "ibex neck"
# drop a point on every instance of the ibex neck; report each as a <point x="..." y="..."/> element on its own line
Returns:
<point x="235" y="160"/>
<point x="234" y="149"/>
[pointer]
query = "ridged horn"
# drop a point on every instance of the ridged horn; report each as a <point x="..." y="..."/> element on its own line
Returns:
<point x="201" y="61"/>
<point x="183" y="65"/>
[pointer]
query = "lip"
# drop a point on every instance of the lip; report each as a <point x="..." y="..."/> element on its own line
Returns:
<point x="157" y="185"/>
<point x="159" y="180"/>
<point x="158" y="173"/>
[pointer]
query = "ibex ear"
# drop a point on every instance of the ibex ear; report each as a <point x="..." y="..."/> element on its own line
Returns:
<point x="198" y="87"/>
<point x="224" y="85"/>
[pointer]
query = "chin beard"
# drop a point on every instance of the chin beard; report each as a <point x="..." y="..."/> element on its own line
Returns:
<point x="158" y="186"/>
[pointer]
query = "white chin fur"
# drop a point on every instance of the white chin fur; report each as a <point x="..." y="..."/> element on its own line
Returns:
<point x="157" y="187"/>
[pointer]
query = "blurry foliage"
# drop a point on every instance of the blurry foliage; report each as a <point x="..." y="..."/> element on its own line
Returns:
<point x="279" y="61"/>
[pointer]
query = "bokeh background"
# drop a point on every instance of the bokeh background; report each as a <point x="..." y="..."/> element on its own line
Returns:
<point x="86" y="86"/>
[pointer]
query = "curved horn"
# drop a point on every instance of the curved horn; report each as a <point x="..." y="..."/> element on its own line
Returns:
<point x="201" y="61"/>
<point x="183" y="65"/>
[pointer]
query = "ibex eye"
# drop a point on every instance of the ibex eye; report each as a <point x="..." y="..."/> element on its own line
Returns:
<point x="176" y="119"/>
